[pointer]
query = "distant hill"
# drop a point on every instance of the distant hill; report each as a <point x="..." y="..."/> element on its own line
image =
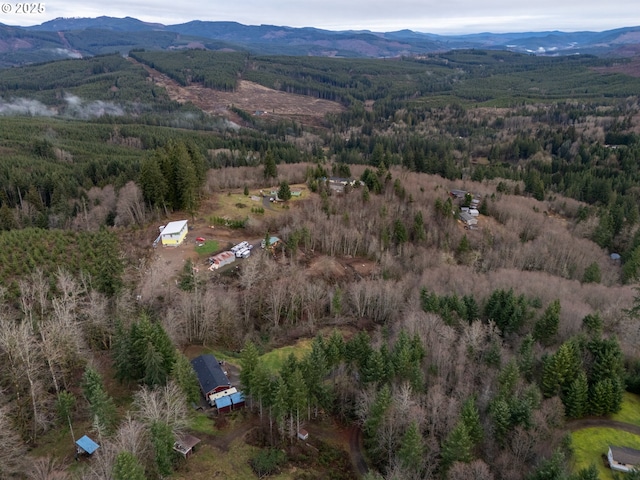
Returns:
<point x="80" y="37"/>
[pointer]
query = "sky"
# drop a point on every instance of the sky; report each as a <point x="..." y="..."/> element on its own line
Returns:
<point x="430" y="16"/>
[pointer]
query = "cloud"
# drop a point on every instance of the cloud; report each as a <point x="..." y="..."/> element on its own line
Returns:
<point x="453" y="16"/>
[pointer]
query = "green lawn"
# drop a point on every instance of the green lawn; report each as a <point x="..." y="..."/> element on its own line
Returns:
<point x="209" y="247"/>
<point x="274" y="359"/>
<point x="630" y="412"/>
<point x="590" y="443"/>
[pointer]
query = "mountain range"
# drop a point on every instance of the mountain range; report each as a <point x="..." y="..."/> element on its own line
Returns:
<point x="81" y="37"/>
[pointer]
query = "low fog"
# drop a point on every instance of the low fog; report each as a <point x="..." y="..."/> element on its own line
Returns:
<point x="75" y="107"/>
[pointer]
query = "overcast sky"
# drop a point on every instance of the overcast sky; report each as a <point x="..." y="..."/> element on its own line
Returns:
<point x="432" y="16"/>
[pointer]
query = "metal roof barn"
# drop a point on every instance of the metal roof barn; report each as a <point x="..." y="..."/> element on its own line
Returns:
<point x="210" y="375"/>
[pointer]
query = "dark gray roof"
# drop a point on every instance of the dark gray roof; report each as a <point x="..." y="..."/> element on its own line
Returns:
<point x="209" y="372"/>
<point x="626" y="455"/>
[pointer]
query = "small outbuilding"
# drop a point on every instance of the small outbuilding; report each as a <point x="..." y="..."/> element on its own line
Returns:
<point x="210" y="375"/>
<point x="221" y="259"/>
<point x="623" y="459"/>
<point x="174" y="233"/>
<point x="303" y="434"/>
<point x="224" y="404"/>
<point x="185" y="445"/>
<point x="237" y="399"/>
<point x="86" y="446"/>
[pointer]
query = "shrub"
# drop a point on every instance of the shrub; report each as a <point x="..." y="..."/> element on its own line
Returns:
<point x="267" y="462"/>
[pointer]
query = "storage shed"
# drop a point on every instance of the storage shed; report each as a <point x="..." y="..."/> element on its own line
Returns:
<point x="623" y="459"/>
<point x="185" y="445"/>
<point x="224" y="404"/>
<point x="86" y="445"/>
<point x="174" y="233"/>
<point x="210" y="375"/>
<point x="221" y="259"/>
<point x="237" y="399"/>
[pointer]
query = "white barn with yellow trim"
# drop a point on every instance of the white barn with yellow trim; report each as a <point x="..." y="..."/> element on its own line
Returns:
<point x="174" y="233"/>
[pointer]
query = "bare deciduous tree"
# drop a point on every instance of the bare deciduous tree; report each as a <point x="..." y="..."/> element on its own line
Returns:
<point x="130" y="208"/>
<point x="13" y="449"/>
<point x="166" y="404"/>
<point x="47" y="468"/>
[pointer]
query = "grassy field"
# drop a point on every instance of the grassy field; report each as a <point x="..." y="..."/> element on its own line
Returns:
<point x="237" y="206"/>
<point x="210" y="247"/>
<point x="274" y="359"/>
<point x="630" y="412"/>
<point x="212" y="463"/>
<point x="590" y="443"/>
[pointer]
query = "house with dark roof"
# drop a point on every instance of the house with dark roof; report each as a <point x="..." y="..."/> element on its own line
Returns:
<point x="211" y="377"/>
<point x="623" y="459"/>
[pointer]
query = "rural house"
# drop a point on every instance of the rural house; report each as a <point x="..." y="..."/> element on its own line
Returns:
<point x="623" y="459"/>
<point x="468" y="219"/>
<point x="174" y="233"/>
<point x="210" y="375"/>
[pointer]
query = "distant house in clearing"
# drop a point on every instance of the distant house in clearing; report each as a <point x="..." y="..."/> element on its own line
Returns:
<point x="211" y="377"/>
<point x="468" y="219"/>
<point x="174" y="233"/>
<point x="273" y="242"/>
<point x="623" y="459"/>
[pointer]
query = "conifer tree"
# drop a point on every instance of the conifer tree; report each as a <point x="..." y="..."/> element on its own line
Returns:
<point x="270" y="168"/>
<point x="127" y="467"/>
<point x="457" y="447"/>
<point x="470" y="417"/>
<point x="284" y="192"/>
<point x="576" y="399"/>
<point x="546" y="328"/>
<point x="411" y="450"/>
<point x="248" y="363"/>
<point x="185" y="377"/>
<point x="162" y="439"/>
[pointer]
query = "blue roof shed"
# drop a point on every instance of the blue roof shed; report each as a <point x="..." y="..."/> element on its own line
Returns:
<point x="87" y="445"/>
<point x="237" y="398"/>
<point x="223" y="403"/>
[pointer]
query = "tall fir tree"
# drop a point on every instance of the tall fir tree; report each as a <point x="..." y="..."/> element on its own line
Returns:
<point x="411" y="451"/>
<point x="127" y="467"/>
<point x="270" y="167"/>
<point x="185" y="377"/>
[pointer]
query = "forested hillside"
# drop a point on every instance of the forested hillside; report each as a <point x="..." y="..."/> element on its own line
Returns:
<point x="455" y="352"/>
